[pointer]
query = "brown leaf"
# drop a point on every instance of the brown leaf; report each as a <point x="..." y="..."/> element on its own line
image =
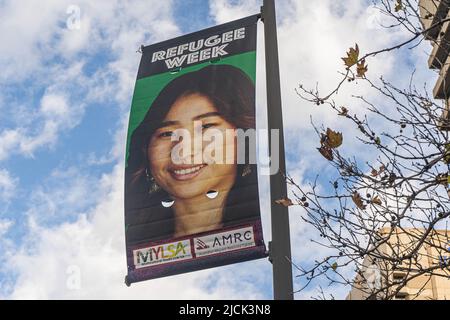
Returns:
<point x="442" y="179"/>
<point x="374" y="173"/>
<point x="361" y="69"/>
<point x="378" y="140"/>
<point x="376" y="200"/>
<point x="382" y="169"/>
<point x="285" y="202"/>
<point x="352" y="56"/>
<point x="326" y="152"/>
<point x="447" y="154"/>
<point x="323" y="139"/>
<point x="344" y="111"/>
<point x="392" y="178"/>
<point x="334" y="139"/>
<point x="356" y="197"/>
<point x="399" y="6"/>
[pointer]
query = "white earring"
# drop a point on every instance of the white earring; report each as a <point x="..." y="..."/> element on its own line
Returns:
<point x="212" y="194"/>
<point x="167" y="203"/>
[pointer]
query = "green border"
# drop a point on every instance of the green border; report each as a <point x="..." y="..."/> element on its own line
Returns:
<point x="148" y="89"/>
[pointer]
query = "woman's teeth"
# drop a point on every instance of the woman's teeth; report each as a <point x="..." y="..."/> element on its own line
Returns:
<point x="189" y="170"/>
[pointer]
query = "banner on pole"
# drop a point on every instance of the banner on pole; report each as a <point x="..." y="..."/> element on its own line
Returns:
<point x="191" y="184"/>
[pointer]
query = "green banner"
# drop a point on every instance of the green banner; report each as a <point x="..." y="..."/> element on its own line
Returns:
<point x="191" y="183"/>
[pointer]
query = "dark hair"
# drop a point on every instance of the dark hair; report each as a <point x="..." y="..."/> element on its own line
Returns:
<point x="233" y="93"/>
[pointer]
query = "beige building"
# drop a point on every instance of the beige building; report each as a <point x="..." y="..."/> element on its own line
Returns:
<point x="431" y="13"/>
<point x="424" y="276"/>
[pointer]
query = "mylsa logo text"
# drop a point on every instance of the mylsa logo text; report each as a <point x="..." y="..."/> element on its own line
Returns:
<point x="163" y="253"/>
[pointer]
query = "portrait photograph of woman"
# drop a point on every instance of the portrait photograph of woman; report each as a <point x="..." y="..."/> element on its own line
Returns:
<point x="168" y="199"/>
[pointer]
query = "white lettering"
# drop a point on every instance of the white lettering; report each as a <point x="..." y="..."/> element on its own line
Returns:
<point x="205" y="54"/>
<point x="159" y="55"/>
<point x="193" y="48"/>
<point x="227" y="37"/>
<point x="219" y="51"/>
<point x="171" y="52"/>
<point x="239" y="34"/>
<point x="200" y="50"/>
<point x="212" y="41"/>
<point x="182" y="49"/>
<point x="175" y="62"/>
<point x="192" y="58"/>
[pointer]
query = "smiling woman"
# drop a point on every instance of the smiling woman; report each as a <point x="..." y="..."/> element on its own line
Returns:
<point x="171" y="195"/>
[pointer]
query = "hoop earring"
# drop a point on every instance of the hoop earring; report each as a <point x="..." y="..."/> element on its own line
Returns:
<point x="153" y="186"/>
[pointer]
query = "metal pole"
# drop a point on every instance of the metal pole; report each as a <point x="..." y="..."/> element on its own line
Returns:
<point x="280" y="247"/>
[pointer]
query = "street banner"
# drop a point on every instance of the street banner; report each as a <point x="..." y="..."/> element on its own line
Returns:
<point x="191" y="183"/>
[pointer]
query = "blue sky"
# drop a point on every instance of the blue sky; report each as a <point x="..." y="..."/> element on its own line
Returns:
<point x="64" y="102"/>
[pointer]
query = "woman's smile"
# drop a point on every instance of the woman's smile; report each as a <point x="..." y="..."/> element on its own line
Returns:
<point x="183" y="173"/>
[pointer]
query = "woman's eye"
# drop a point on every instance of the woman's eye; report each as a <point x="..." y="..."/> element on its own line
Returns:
<point x="166" y="134"/>
<point x="208" y="125"/>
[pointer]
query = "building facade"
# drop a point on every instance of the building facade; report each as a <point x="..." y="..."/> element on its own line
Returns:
<point x="432" y="13"/>
<point x="426" y="276"/>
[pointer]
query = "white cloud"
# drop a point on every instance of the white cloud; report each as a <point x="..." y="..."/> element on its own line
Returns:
<point x="53" y="117"/>
<point x="8" y="185"/>
<point x="5" y="225"/>
<point x="56" y="116"/>
<point x="224" y="11"/>
<point x="41" y="49"/>
<point x="9" y="139"/>
<point x="63" y="195"/>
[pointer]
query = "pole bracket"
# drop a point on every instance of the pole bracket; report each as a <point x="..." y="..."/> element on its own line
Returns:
<point x="270" y="252"/>
<point x="127" y="282"/>
<point x="141" y="49"/>
<point x="261" y="16"/>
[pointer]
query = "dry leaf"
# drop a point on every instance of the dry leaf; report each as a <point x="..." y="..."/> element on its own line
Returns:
<point x="285" y="202"/>
<point x="447" y="154"/>
<point x="442" y="179"/>
<point x="374" y="173"/>
<point x="334" y="139"/>
<point x="352" y="56"/>
<point x="356" y="197"/>
<point x="378" y="140"/>
<point x="334" y="266"/>
<point x="392" y="178"/>
<point x="344" y="111"/>
<point x="323" y="139"/>
<point x="326" y="152"/>
<point x="398" y="6"/>
<point x="376" y="200"/>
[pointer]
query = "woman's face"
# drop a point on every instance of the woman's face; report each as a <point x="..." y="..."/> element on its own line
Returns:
<point x="191" y="175"/>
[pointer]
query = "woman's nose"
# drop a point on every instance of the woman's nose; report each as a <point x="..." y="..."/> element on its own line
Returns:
<point x="191" y="144"/>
